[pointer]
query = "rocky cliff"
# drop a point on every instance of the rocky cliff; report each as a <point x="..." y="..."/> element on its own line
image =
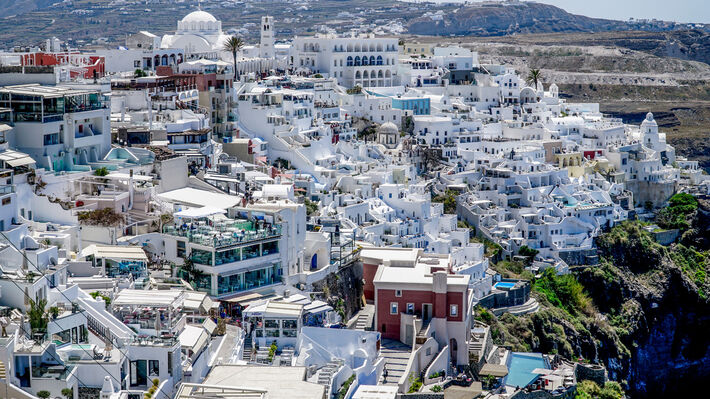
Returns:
<point x="494" y="19"/>
<point x="647" y="317"/>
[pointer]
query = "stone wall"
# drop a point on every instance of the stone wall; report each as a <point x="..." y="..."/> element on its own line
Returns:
<point x="345" y="284"/>
<point x="591" y="372"/>
<point x="580" y="257"/>
<point x="666" y="237"/>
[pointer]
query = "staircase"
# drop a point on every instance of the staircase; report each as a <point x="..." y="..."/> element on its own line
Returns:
<point x="3" y="371"/>
<point x="362" y="322"/>
<point x="423" y="332"/>
<point x="396" y="356"/>
<point x="246" y="353"/>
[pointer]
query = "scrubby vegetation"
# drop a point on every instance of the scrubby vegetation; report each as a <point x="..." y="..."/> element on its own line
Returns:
<point x="678" y="214"/>
<point x="590" y="390"/>
<point x="449" y="201"/>
<point x="564" y="292"/>
<point x="100" y="217"/>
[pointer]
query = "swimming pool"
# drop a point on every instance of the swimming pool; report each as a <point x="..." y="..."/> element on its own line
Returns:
<point x="504" y="285"/>
<point x="520" y="367"/>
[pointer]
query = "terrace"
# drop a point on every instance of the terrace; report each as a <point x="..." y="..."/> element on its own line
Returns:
<point x="220" y="232"/>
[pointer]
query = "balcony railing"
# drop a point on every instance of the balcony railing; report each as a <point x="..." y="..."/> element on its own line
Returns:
<point x="224" y="235"/>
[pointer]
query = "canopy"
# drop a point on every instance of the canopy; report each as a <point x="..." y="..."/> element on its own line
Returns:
<point x="496" y="370"/>
<point x="115" y="252"/>
<point x="205" y="211"/>
<point x="16" y="158"/>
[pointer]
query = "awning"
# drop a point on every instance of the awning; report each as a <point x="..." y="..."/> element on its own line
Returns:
<point x="15" y="158"/>
<point x="199" y="212"/>
<point x="317" y="307"/>
<point x="496" y="370"/>
<point x="20" y="162"/>
<point x="243" y="299"/>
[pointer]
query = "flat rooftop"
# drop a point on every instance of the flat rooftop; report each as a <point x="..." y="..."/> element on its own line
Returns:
<point x="149" y="298"/>
<point x="277" y="382"/>
<point x="419" y="274"/>
<point x="45" y="91"/>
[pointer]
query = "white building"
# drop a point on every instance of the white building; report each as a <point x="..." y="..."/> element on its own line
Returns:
<point x="365" y="60"/>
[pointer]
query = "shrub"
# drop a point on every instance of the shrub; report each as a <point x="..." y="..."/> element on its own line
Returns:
<point x="102" y="171"/>
<point x="676" y="216"/>
<point x="590" y="390"/>
<point x="449" y="201"/>
<point x="564" y="292"/>
<point x="436" y="388"/>
<point x="156" y="382"/>
<point x="416" y="383"/>
<point x="43" y="394"/>
<point x="344" y="388"/>
<point x="100" y="217"/>
<point x="68" y="393"/>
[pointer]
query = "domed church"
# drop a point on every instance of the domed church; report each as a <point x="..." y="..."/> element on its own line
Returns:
<point x="199" y="33"/>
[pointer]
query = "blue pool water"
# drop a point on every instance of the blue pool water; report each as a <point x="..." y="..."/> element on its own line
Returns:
<point x="503" y="285"/>
<point x="520" y="367"/>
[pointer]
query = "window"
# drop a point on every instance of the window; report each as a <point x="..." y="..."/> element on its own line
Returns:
<point x="153" y="368"/>
<point x="410" y="308"/>
<point x="394" y="308"/>
<point x="6" y="201"/>
<point x="397" y="293"/>
<point x="454" y="310"/>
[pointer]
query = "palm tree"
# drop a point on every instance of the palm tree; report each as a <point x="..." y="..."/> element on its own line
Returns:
<point x="534" y="77"/>
<point x="233" y="45"/>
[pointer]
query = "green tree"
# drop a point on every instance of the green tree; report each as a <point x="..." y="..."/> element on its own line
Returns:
<point x="534" y="77"/>
<point x="37" y="316"/>
<point x="43" y="394"/>
<point x="233" y="45"/>
<point x="68" y="393"/>
<point x="102" y="171"/>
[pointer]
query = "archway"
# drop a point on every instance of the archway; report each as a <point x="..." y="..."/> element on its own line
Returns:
<point x="453" y="351"/>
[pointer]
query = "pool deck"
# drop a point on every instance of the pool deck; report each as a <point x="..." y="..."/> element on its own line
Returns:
<point x="521" y="366"/>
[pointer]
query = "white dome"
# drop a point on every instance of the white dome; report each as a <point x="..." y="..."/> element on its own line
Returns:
<point x="388" y="127"/>
<point x="199" y="16"/>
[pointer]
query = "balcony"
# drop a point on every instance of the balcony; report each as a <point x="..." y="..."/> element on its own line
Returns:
<point x="223" y="234"/>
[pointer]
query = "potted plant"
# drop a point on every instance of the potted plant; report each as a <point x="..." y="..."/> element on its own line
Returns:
<point x="54" y="311"/>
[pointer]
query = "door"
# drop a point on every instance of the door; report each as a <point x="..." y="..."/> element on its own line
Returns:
<point x="426" y="311"/>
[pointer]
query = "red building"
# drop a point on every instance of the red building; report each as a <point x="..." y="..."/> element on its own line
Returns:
<point x="81" y="65"/>
<point x="410" y="296"/>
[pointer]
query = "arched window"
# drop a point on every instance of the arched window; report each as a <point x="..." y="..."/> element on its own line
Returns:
<point x="350" y="48"/>
<point x="379" y="74"/>
<point x="372" y="60"/>
<point x="357" y="75"/>
<point x="357" y="48"/>
<point x="364" y="61"/>
<point x="379" y="46"/>
<point x="365" y="75"/>
<point x="388" y="74"/>
<point x="350" y="61"/>
<point x="164" y="60"/>
<point x="357" y="61"/>
<point x="372" y="47"/>
<point x="379" y="60"/>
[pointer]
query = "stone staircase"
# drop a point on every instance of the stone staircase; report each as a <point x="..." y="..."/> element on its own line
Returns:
<point x="246" y="353"/>
<point x="3" y="372"/>
<point x="395" y="355"/>
<point x="422" y="333"/>
<point x="362" y="322"/>
<point x="531" y="306"/>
